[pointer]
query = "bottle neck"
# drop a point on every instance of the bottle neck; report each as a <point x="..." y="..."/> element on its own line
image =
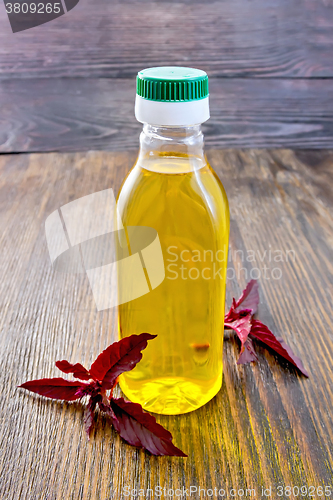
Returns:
<point x="171" y="148"/>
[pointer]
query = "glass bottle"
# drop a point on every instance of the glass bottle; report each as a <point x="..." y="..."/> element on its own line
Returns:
<point x="173" y="190"/>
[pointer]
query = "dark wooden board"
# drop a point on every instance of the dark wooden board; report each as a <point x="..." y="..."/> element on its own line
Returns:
<point x="267" y="427"/>
<point x="82" y="114"/>
<point x="104" y="38"/>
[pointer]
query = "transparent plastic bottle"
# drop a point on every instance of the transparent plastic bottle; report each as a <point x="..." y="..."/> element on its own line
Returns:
<point x="173" y="190"/>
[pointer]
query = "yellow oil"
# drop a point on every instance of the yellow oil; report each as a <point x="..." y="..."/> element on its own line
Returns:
<point x="185" y="202"/>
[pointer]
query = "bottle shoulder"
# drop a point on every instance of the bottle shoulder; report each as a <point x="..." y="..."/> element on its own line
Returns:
<point x="190" y="199"/>
<point x="172" y="175"/>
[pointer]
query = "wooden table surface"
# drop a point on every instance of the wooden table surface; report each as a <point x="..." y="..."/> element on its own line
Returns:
<point x="267" y="427"/>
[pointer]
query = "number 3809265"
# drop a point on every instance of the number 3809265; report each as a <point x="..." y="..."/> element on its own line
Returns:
<point x="33" y="8"/>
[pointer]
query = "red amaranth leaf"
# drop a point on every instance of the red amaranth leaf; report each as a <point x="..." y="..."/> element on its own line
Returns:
<point x="119" y="357"/>
<point x="247" y="303"/>
<point x="89" y="414"/>
<point x="263" y="333"/>
<point x="239" y="318"/>
<point x="249" y="299"/>
<point x="248" y="353"/>
<point x="55" y="388"/>
<point x="242" y="327"/>
<point x="233" y="315"/>
<point x="77" y="370"/>
<point x="129" y="419"/>
<point x="139" y="428"/>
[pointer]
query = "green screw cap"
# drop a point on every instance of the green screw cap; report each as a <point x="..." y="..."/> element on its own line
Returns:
<point x="172" y="84"/>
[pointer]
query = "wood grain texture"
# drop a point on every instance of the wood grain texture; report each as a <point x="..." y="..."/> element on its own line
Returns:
<point x="68" y="85"/>
<point x="81" y="114"/>
<point x="238" y="38"/>
<point x="267" y="426"/>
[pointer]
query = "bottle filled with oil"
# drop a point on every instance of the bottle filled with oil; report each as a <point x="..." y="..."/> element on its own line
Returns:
<point x="174" y="215"/>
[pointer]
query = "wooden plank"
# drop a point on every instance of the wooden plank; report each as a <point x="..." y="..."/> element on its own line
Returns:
<point x="84" y="114"/>
<point x="267" y="427"/>
<point x="261" y="38"/>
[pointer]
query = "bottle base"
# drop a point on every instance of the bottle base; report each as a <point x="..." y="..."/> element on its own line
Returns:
<point x="170" y="395"/>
